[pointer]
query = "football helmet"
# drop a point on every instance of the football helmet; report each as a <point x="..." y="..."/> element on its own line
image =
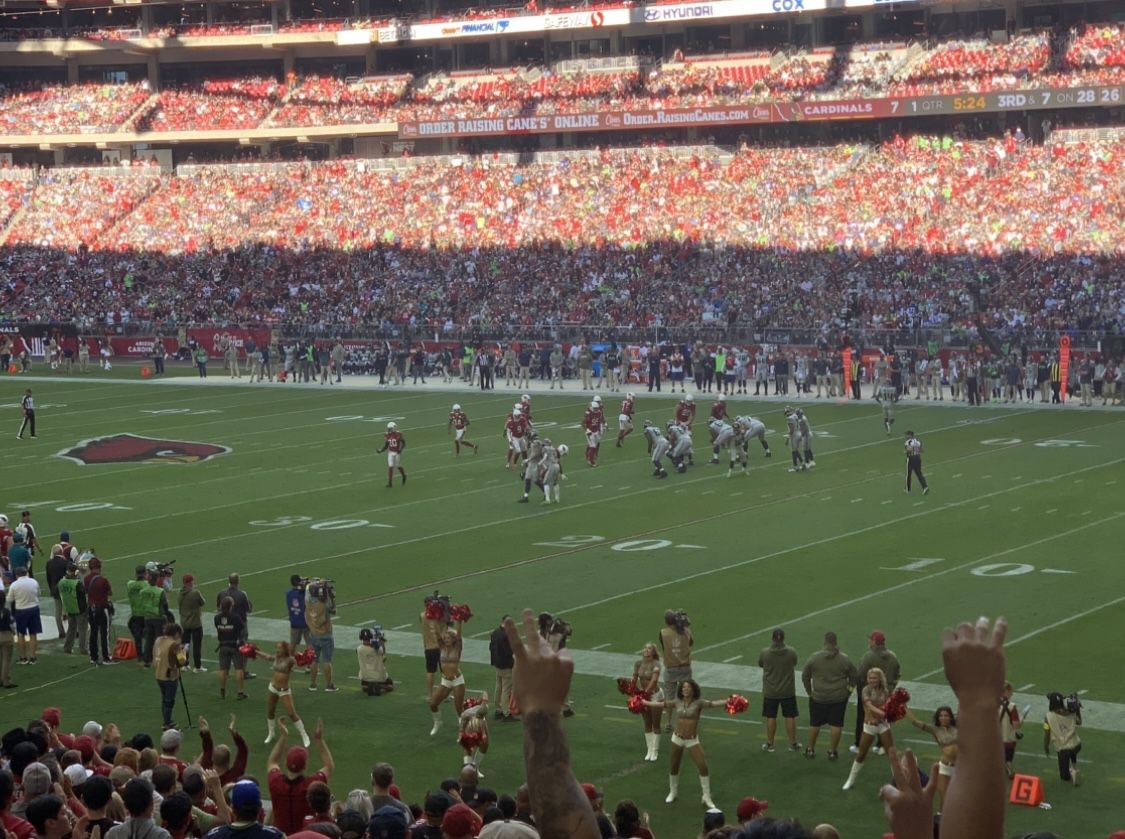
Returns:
<point x="648" y="424"/>
<point x="391" y="426"/>
<point x="593" y="406"/>
<point x="525" y="398"/>
<point x="456" y="407"/>
<point x="563" y="449"/>
<point x="630" y="396"/>
<point x="598" y="400"/>
<point x="689" y="398"/>
<point x="3" y="521"/>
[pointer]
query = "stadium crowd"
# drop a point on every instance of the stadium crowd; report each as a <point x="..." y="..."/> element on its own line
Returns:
<point x="1090" y="55"/>
<point x="904" y="235"/>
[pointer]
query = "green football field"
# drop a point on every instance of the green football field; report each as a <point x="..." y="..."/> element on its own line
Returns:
<point x="1024" y="518"/>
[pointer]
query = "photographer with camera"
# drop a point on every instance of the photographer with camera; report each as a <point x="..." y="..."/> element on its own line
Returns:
<point x="1060" y="729"/>
<point x="153" y="603"/>
<point x="295" y="605"/>
<point x="372" y="655"/>
<point x="676" y="642"/>
<point x="320" y="605"/>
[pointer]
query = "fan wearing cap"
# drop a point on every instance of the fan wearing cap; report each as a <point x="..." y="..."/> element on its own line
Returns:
<point x="877" y="655"/>
<point x="246" y="805"/>
<point x="394" y="444"/>
<point x="458" y="427"/>
<point x="99" y="599"/>
<point x="289" y="786"/>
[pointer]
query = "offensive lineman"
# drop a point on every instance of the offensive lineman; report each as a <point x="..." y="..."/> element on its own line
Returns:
<point x="458" y="425"/>
<point x="792" y="440"/>
<point x="724" y="438"/>
<point x="887" y="396"/>
<point x="747" y="428"/>
<point x="625" y="418"/>
<point x="393" y="444"/>
<point x="657" y="447"/>
<point x="535" y="449"/>
<point x="804" y="431"/>
<point x="552" y="470"/>
<point x="718" y="414"/>
<point x="682" y="454"/>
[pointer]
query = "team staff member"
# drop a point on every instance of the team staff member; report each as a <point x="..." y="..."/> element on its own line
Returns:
<point x="879" y="656"/>
<point x="230" y="628"/>
<point x="191" y="605"/>
<point x="72" y="595"/>
<point x="502" y="660"/>
<point x="829" y="677"/>
<point x="28" y="406"/>
<point x="778" y="661"/>
<point x="136" y="623"/>
<point x="99" y="599"/>
<point x="394" y="444"/>
<point x="914" y="462"/>
<point x="676" y="642"/>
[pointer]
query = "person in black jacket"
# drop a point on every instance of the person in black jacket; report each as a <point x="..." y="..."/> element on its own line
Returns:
<point x="500" y="656"/>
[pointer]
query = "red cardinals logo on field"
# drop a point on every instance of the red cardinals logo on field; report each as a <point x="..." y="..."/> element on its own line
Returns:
<point x="129" y="448"/>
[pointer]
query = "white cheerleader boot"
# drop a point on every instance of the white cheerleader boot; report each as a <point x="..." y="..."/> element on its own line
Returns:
<point x="706" y="784"/>
<point x="673" y="788"/>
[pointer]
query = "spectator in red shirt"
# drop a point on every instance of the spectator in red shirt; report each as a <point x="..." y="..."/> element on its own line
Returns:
<point x="288" y="788"/>
<point x="170" y="742"/>
<point x="14" y="826"/>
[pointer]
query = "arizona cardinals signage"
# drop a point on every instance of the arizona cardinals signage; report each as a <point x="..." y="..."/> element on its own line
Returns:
<point x="131" y="448"/>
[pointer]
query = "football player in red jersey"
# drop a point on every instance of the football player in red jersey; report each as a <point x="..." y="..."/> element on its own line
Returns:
<point x="458" y="425"/>
<point x="592" y="423"/>
<point x="515" y="429"/>
<point x="625" y="418"/>
<point x="393" y="444"/>
<point x="525" y="407"/>
<point x="685" y="411"/>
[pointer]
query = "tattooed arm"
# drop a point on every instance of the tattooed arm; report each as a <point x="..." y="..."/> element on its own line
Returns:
<point x="540" y="682"/>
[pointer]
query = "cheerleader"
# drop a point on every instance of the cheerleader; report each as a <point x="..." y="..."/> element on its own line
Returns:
<point x="875" y="695"/>
<point x="452" y="679"/>
<point x="646" y="680"/>
<point x="473" y="733"/>
<point x="689" y="707"/>
<point x="944" y="732"/>
<point x="283" y="664"/>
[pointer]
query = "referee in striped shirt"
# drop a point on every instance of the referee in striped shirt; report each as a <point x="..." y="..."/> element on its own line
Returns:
<point x="28" y="405"/>
<point x="914" y="462"/>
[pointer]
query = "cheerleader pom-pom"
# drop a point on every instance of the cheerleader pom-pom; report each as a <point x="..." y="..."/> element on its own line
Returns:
<point x="305" y="658"/>
<point x="473" y="702"/>
<point x="461" y="613"/>
<point x="737" y="704"/>
<point x="434" y="611"/>
<point x="626" y="686"/>
<point x="249" y="650"/>
<point x="636" y="704"/>
<point x="469" y="740"/>
<point x="894" y="708"/>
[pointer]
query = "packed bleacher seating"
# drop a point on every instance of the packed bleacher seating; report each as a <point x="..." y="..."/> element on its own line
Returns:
<point x="226" y="104"/>
<point x="1093" y="55"/>
<point x="69" y="109"/>
<point x="783" y="234"/>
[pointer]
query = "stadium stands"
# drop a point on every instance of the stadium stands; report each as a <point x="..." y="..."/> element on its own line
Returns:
<point x="769" y="236"/>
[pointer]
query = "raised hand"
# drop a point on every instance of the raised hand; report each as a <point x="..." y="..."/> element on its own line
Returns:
<point x="541" y="677"/>
<point x="909" y="807"/>
<point x="974" y="660"/>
